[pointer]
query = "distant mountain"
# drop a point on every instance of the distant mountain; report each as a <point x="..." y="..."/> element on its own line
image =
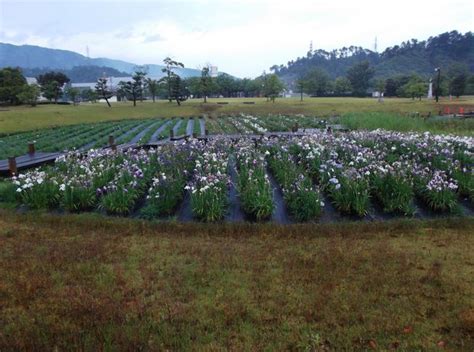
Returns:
<point x="413" y="56"/>
<point x="36" y="57"/>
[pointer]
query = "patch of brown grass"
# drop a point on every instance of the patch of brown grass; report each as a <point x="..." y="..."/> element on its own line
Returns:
<point x="92" y="283"/>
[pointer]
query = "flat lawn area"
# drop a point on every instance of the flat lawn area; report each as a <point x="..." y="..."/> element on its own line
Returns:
<point x="92" y="283"/>
<point x="22" y="118"/>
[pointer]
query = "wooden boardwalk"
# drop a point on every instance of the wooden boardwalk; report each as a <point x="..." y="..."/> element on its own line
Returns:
<point x="28" y="161"/>
<point x="39" y="158"/>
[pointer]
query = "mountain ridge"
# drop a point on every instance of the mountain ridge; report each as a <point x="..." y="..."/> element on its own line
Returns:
<point x="412" y="56"/>
<point x="33" y="56"/>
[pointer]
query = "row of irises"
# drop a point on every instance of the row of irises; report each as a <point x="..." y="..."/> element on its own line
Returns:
<point x="302" y="198"/>
<point x="210" y="181"/>
<point x="254" y="187"/>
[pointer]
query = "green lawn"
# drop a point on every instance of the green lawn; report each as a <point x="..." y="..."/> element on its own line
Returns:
<point x="23" y="118"/>
<point x="91" y="283"/>
<point x="403" y="123"/>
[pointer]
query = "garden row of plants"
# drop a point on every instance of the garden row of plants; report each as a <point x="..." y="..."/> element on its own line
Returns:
<point x="356" y="171"/>
<point x="302" y="197"/>
<point x="16" y="144"/>
<point x="227" y="126"/>
<point x="134" y="131"/>
<point x="249" y="124"/>
<point x="79" y="136"/>
<point x="149" y="131"/>
<point x="253" y="184"/>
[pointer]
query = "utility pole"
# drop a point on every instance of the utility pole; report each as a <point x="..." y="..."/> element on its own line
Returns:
<point x="437" y="69"/>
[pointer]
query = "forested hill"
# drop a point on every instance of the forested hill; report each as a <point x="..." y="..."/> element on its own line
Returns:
<point x="413" y="56"/>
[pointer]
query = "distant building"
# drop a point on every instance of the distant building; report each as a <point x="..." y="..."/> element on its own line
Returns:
<point x="213" y="71"/>
<point x="31" y="80"/>
<point x="83" y="86"/>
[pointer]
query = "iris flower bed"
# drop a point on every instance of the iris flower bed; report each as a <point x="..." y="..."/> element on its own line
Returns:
<point x="357" y="171"/>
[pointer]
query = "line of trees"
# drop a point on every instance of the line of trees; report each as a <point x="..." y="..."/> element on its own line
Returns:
<point x="176" y="89"/>
<point x="318" y="82"/>
<point x="359" y="82"/>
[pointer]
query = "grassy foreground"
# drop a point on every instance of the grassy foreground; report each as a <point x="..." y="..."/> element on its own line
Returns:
<point x="89" y="283"/>
<point x="13" y="119"/>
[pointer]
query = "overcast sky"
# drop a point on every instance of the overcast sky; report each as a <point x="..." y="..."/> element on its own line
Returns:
<point x="242" y="37"/>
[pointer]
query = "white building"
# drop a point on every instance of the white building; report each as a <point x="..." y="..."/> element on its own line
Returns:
<point x="213" y="71"/>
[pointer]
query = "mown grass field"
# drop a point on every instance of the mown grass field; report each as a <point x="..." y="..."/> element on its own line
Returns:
<point x="402" y="123"/>
<point x="22" y="118"/>
<point x="90" y="283"/>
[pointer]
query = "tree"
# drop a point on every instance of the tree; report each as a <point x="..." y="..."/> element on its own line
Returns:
<point x="133" y="89"/>
<point x="360" y="75"/>
<point x="170" y="65"/>
<point x="51" y="91"/>
<point x="29" y="94"/>
<point x="89" y="95"/>
<point x="102" y="90"/>
<point x="73" y="94"/>
<point x="205" y="83"/>
<point x="140" y="78"/>
<point x="317" y="82"/>
<point x="458" y="75"/>
<point x="380" y="88"/>
<point x="391" y="87"/>
<point x="469" y="85"/>
<point x="52" y="84"/>
<point x="122" y="91"/>
<point x="226" y="85"/>
<point x="12" y="83"/>
<point x="342" y="86"/>
<point x="458" y="85"/>
<point x="153" y="87"/>
<point x="415" y="88"/>
<point x="273" y="87"/>
<point x="250" y="87"/>
<point x="178" y="89"/>
<point x="301" y="86"/>
<point x="194" y="86"/>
